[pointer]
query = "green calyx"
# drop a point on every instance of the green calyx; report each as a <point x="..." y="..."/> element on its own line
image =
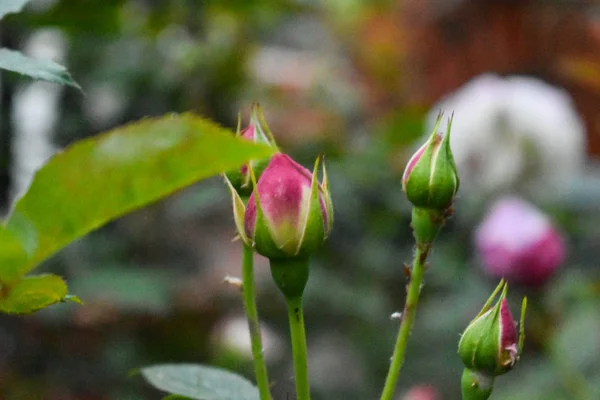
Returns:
<point x="475" y="385"/>
<point x="426" y="223"/>
<point x="431" y="181"/>
<point x="290" y="275"/>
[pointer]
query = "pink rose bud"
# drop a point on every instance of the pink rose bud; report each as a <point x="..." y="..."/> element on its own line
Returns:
<point x="258" y="132"/>
<point x="289" y="214"/>
<point x="518" y="242"/>
<point x="491" y="345"/>
<point x="430" y="179"/>
<point x="491" y="342"/>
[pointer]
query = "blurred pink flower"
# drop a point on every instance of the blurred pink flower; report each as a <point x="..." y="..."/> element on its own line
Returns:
<point x="517" y="241"/>
<point x="421" y="392"/>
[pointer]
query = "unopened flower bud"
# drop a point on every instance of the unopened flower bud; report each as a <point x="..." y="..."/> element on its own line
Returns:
<point x="289" y="214"/>
<point x="257" y="131"/>
<point x="430" y="179"/>
<point x="288" y="217"/>
<point x="491" y="343"/>
<point x="518" y="242"/>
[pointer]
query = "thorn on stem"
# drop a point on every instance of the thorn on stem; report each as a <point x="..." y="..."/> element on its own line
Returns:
<point x="407" y="270"/>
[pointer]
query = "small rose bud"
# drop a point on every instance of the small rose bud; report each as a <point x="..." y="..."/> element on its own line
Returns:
<point x="257" y="132"/>
<point x="289" y="214"/>
<point x="491" y="343"/>
<point x="430" y="179"/>
<point x="518" y="242"/>
<point x="288" y="217"/>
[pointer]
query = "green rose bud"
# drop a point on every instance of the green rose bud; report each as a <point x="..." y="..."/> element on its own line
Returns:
<point x="490" y="346"/>
<point x="430" y="179"/>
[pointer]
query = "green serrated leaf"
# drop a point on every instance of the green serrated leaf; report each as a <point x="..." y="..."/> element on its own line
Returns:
<point x="199" y="382"/>
<point x="47" y="70"/>
<point x="33" y="293"/>
<point x="101" y="178"/>
<point x="11" y="6"/>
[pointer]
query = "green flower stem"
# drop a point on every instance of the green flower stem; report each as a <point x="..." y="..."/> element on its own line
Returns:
<point x="260" y="369"/>
<point x="408" y="318"/>
<point x="290" y="276"/>
<point x="296" y="317"/>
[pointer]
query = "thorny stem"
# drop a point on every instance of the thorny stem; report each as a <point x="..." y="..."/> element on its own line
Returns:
<point x="260" y="369"/>
<point x="296" y="318"/>
<point x="408" y="318"/>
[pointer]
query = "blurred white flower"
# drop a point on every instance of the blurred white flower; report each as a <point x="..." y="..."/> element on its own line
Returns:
<point x="35" y="111"/>
<point x="513" y="134"/>
<point x="232" y="334"/>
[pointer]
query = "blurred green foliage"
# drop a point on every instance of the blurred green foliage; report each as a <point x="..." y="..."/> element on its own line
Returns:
<point x="15" y="61"/>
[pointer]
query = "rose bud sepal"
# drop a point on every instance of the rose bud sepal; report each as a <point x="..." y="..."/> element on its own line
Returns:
<point x="239" y="211"/>
<point x="290" y="275"/>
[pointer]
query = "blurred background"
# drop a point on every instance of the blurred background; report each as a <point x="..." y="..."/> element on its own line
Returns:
<point x="362" y="83"/>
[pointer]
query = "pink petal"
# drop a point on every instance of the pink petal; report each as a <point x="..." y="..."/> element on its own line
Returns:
<point x="412" y="162"/>
<point x="508" y="336"/>
<point x="282" y="188"/>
